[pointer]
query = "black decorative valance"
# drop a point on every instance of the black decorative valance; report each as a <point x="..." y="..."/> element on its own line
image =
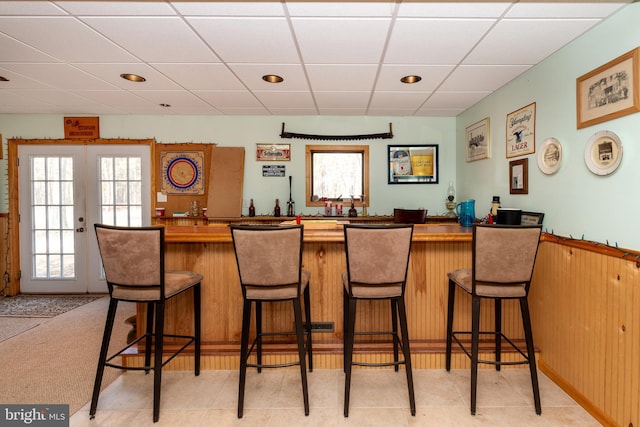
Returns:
<point x="386" y="135"/>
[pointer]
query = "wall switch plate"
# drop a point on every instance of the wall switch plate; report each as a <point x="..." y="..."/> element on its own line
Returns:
<point x="161" y="197"/>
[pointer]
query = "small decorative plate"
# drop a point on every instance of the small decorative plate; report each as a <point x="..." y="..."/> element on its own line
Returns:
<point x="603" y="153"/>
<point x="550" y="156"/>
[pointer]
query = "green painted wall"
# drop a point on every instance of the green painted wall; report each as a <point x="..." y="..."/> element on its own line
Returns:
<point x="576" y="202"/>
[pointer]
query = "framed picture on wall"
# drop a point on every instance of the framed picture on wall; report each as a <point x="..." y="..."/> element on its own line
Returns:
<point x="521" y="131"/>
<point x="610" y="91"/>
<point x="519" y="176"/>
<point x="412" y="164"/>
<point x="478" y="140"/>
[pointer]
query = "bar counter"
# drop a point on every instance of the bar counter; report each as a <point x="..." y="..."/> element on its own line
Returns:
<point x="436" y="249"/>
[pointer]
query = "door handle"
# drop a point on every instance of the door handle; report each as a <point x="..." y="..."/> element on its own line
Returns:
<point x="80" y="230"/>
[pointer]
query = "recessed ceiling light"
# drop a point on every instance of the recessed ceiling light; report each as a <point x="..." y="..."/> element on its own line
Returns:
<point x="3" y="79"/>
<point x="410" y="79"/>
<point x="133" y="77"/>
<point x="165" y="105"/>
<point x="272" y="78"/>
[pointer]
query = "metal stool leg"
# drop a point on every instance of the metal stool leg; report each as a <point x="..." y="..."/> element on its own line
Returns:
<point x="106" y="338"/>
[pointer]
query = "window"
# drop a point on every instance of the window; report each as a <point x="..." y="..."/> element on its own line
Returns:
<point x="337" y="171"/>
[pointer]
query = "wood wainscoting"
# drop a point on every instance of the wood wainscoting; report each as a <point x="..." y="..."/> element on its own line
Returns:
<point x="585" y="308"/>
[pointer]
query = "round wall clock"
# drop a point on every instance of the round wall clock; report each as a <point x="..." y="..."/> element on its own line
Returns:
<point x="603" y="153"/>
<point x="550" y="156"/>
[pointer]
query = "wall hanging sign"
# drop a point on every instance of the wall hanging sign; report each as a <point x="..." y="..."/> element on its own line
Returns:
<point x="273" y="170"/>
<point x="519" y="176"/>
<point x="478" y="140"/>
<point x="521" y="131"/>
<point x="82" y="127"/>
<point x="610" y="91"/>
<point x="603" y="153"/>
<point x="550" y="156"/>
<point x="412" y="164"/>
<point x="182" y="172"/>
<point x="273" y="152"/>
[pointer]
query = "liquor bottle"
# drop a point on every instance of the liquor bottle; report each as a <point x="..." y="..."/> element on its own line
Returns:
<point x="353" y="212"/>
<point x="252" y="209"/>
<point x="276" y="209"/>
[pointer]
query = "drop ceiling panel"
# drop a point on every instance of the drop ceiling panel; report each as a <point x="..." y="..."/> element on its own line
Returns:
<point x="434" y="42"/>
<point x="241" y="40"/>
<point x="111" y="73"/>
<point x="326" y="77"/>
<point x="482" y="77"/>
<point x="504" y="44"/>
<point x="154" y="39"/>
<point x="341" y="41"/>
<point x="453" y="9"/>
<point x="64" y="38"/>
<point x="200" y="76"/>
<point x="251" y="76"/>
<point x="336" y="58"/>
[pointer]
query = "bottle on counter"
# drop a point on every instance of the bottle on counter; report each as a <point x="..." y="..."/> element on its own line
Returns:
<point x="252" y="209"/>
<point x="352" y="211"/>
<point x="276" y="209"/>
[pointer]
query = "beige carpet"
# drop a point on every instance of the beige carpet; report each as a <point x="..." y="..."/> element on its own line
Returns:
<point x="55" y="362"/>
<point x="13" y="326"/>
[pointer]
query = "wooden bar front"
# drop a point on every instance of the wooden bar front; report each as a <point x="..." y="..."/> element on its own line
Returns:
<point x="436" y="249"/>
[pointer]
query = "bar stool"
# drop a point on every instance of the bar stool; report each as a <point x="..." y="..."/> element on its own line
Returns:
<point x="133" y="262"/>
<point x="502" y="266"/>
<point x="269" y="263"/>
<point x="377" y="264"/>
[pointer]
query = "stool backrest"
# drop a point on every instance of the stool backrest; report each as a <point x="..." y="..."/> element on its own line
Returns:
<point x="505" y="253"/>
<point x="409" y="216"/>
<point x="268" y="256"/>
<point x="132" y="256"/>
<point x="378" y="254"/>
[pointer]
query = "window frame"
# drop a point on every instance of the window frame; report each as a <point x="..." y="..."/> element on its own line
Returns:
<point x="312" y="149"/>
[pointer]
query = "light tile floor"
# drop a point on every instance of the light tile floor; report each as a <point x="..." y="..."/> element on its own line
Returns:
<point x="378" y="398"/>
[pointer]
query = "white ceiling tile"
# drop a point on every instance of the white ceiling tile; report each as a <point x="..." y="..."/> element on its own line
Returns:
<point x="453" y="9"/>
<point x="30" y="8"/>
<point x="111" y="73"/>
<point x="154" y="39"/>
<point x="229" y="8"/>
<point x="432" y="77"/>
<point x="200" y="76"/>
<point x="115" y="98"/>
<point x="453" y="100"/>
<point x="336" y="58"/>
<point x="64" y="38"/>
<point x="175" y="98"/>
<point x="61" y="76"/>
<point x="263" y="40"/>
<point x="285" y="99"/>
<point x="251" y="76"/>
<point x="120" y="8"/>
<point x="482" y="77"/>
<point x="341" y="41"/>
<point x="344" y="9"/>
<point x="326" y="77"/>
<point x="326" y="100"/>
<point x="229" y="99"/>
<point x="564" y="9"/>
<point x="434" y="42"/>
<point x="503" y="45"/>
<point x="405" y="100"/>
<point x="16" y="51"/>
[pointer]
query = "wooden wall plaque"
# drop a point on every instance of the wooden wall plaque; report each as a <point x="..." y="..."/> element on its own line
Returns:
<point x="82" y="127"/>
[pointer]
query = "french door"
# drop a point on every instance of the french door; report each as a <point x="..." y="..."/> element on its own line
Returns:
<point x="64" y="190"/>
